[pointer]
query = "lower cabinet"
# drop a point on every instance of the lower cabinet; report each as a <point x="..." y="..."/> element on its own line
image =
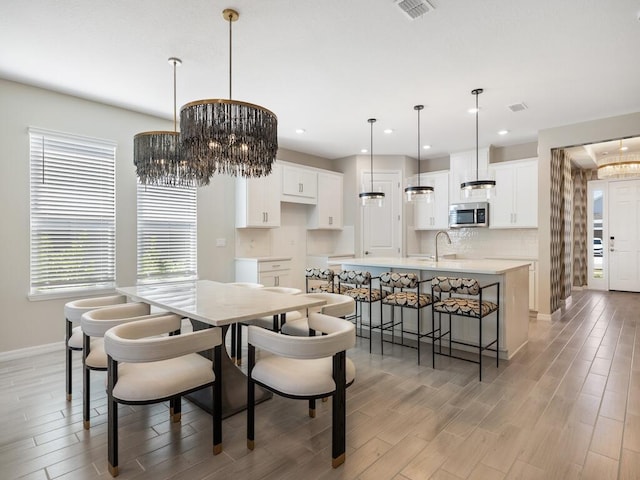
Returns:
<point x="270" y="272"/>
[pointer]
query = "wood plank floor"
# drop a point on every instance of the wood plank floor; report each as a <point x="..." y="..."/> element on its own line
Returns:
<point x="567" y="406"/>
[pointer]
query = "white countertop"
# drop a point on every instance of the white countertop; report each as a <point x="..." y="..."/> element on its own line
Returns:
<point x="483" y="266"/>
<point x="264" y="259"/>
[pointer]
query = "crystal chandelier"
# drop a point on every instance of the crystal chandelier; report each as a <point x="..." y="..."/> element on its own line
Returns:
<point x="371" y="198"/>
<point x="157" y="154"/>
<point x="619" y="166"/>
<point x="228" y="136"/>
<point x="477" y="184"/>
<point x="419" y="192"/>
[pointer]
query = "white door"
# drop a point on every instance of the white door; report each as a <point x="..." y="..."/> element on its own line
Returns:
<point x="624" y="238"/>
<point x="382" y="226"/>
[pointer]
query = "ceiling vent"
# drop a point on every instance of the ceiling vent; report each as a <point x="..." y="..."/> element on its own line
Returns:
<point x="517" y="107"/>
<point x="414" y="8"/>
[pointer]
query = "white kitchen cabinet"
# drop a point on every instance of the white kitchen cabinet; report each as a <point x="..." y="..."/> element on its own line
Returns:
<point x="462" y="167"/>
<point x="327" y="214"/>
<point x="433" y="215"/>
<point x="258" y="201"/>
<point x="514" y="203"/>
<point x="299" y="184"/>
<point x="270" y="272"/>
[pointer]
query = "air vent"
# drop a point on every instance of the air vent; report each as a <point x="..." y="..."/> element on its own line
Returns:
<point x="414" y="8"/>
<point x="517" y="107"/>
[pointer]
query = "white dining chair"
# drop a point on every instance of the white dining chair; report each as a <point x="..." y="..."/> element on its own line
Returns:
<point x="73" y="333"/>
<point x="145" y="366"/>
<point x="305" y="368"/>
<point x="336" y="305"/>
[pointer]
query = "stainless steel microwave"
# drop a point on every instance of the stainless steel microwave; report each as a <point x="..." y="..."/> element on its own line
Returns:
<point x="464" y="215"/>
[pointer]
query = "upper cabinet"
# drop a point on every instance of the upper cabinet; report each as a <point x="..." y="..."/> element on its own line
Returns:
<point x="258" y="200"/>
<point x="327" y="214"/>
<point x="514" y="204"/>
<point x="462" y="167"/>
<point x="299" y="184"/>
<point x="433" y="215"/>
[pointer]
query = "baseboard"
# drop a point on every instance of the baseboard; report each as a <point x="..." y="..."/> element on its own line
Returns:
<point x="31" y="351"/>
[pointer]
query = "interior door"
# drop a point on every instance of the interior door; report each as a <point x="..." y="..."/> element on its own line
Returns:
<point x="624" y="236"/>
<point x="382" y="226"/>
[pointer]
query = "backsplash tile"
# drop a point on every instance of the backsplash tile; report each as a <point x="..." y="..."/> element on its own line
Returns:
<point x="484" y="243"/>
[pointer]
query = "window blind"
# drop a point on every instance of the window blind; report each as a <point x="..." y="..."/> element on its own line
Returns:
<point x="72" y="212"/>
<point x="167" y="233"/>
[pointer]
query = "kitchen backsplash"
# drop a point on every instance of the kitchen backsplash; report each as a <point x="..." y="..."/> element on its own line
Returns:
<point x="483" y="243"/>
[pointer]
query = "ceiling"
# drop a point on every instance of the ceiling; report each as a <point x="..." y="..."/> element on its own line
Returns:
<point x="327" y="66"/>
<point x="586" y="156"/>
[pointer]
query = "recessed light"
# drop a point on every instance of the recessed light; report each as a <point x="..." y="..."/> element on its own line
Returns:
<point x="426" y="147"/>
<point x="503" y="132"/>
<point x="300" y="131"/>
<point x="624" y="149"/>
<point x="364" y="150"/>
<point x="605" y="153"/>
<point x="388" y="130"/>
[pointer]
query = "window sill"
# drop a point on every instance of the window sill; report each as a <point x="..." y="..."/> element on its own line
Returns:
<point x="41" y="297"/>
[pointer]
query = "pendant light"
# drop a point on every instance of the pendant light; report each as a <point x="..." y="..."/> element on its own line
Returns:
<point x="228" y="136"/>
<point x="372" y="198"/>
<point x="419" y="192"/>
<point x="619" y="166"/>
<point x="157" y="155"/>
<point x="477" y="184"/>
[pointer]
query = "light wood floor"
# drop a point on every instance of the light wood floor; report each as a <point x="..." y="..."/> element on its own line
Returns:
<point x="566" y="406"/>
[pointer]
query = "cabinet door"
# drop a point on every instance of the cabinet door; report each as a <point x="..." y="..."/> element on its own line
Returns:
<point x="433" y="215"/>
<point x="501" y="214"/>
<point x="258" y="201"/>
<point x="299" y="184"/>
<point x="327" y="213"/>
<point x="526" y="195"/>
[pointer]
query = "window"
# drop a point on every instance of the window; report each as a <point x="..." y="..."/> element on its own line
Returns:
<point x="167" y="233"/>
<point x="72" y="212"/>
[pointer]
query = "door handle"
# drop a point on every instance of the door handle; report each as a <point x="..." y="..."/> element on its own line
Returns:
<point x="366" y="252"/>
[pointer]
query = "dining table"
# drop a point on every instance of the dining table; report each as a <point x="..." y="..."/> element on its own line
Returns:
<point x="207" y="304"/>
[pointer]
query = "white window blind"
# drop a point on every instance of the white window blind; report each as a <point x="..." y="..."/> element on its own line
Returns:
<point x="167" y="233"/>
<point x="72" y="212"/>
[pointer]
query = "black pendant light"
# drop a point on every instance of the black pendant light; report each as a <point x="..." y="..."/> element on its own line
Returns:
<point x="372" y="198"/>
<point x="477" y="184"/>
<point x="419" y="192"/>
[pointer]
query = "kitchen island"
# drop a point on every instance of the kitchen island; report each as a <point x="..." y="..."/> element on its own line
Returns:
<point x="512" y="275"/>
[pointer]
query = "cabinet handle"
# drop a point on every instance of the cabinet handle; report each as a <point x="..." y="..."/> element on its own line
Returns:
<point x="275" y="266"/>
<point x="330" y="220"/>
<point x="276" y="281"/>
<point x="266" y="215"/>
<point x="300" y="187"/>
<point x="515" y="218"/>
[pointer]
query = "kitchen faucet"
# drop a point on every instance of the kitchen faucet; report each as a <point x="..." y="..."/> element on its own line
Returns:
<point x="448" y="240"/>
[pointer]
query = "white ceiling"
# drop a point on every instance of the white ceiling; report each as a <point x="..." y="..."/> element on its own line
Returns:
<point x="326" y="66"/>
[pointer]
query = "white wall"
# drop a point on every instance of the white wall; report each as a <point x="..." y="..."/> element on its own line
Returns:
<point x="569" y="135"/>
<point x="28" y="323"/>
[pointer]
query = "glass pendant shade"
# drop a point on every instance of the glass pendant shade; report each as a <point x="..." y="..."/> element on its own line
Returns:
<point x="484" y="183"/>
<point x="228" y="136"/>
<point x="371" y="198"/>
<point x="418" y="192"/>
<point x="619" y="166"/>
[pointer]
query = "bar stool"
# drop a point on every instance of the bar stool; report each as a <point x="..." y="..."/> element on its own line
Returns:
<point x="73" y="335"/>
<point x="404" y="291"/>
<point x="472" y="306"/>
<point x="357" y="284"/>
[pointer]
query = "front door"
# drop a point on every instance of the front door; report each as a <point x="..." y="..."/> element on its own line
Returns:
<point x="624" y="235"/>
<point x="382" y="226"/>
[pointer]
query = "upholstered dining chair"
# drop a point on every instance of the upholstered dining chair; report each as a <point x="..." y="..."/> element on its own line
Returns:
<point x="464" y="297"/>
<point x="73" y="334"/>
<point x="404" y="291"/>
<point x="146" y="366"/>
<point x="270" y="322"/>
<point x="94" y="324"/>
<point x="304" y="368"/>
<point x="336" y="305"/>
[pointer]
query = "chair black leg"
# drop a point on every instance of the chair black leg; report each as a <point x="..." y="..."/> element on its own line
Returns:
<point x="233" y="328"/>
<point x="112" y="421"/>
<point x="480" y="348"/>
<point x="69" y="329"/>
<point x="251" y="400"/>
<point x="312" y="408"/>
<point x="175" y="409"/>
<point x="239" y="344"/>
<point x="497" y="338"/>
<point x="86" y="383"/>
<point x="419" y="331"/>
<point x="339" y="411"/>
<point x="217" y="400"/>
<point x="433" y="339"/>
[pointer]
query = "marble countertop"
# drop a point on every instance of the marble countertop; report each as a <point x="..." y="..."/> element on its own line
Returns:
<point x="264" y="259"/>
<point x="483" y="266"/>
